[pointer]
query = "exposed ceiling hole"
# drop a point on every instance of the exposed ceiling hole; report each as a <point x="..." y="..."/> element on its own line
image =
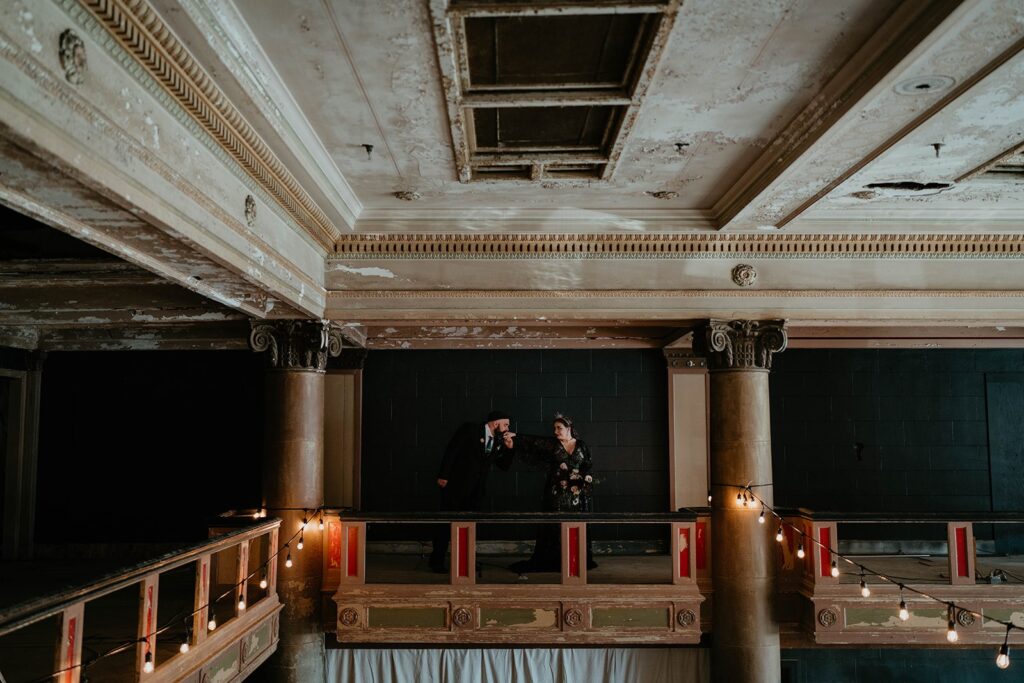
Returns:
<point x="908" y="185"/>
<point x="662" y="194"/>
<point x="864" y="194"/>
<point x="924" y="85"/>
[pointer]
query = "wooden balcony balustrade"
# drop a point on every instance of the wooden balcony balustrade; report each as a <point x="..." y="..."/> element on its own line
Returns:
<point x="467" y="611"/>
<point x="836" y="612"/>
<point x="246" y="635"/>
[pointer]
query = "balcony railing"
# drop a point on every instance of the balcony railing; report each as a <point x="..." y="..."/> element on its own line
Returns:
<point x="220" y="624"/>
<point x="466" y="610"/>
<point x="837" y="611"/>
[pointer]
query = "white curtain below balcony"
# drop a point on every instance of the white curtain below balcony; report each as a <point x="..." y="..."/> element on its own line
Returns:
<point x="519" y="665"/>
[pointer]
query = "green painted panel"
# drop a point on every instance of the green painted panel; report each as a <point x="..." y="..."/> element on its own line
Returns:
<point x="885" y="617"/>
<point x="408" y="617"/>
<point x="1012" y="615"/>
<point x="630" y="617"/>
<point x="519" y="617"/>
<point x="224" y="668"/>
<point x="257" y="641"/>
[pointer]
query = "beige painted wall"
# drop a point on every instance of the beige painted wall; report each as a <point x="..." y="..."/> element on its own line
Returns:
<point x="342" y="418"/>
<point x="688" y="437"/>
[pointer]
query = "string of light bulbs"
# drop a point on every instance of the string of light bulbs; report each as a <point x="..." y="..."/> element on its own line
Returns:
<point x="745" y="497"/>
<point x="148" y="665"/>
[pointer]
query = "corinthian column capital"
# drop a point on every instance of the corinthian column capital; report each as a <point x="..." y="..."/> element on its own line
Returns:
<point x="295" y="344"/>
<point x="740" y="344"/>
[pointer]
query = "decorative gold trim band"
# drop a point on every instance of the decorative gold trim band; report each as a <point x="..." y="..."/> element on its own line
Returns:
<point x="137" y="28"/>
<point x="398" y="294"/>
<point x="564" y="245"/>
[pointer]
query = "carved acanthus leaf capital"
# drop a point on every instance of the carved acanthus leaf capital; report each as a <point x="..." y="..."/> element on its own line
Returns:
<point x="740" y="344"/>
<point x="296" y="344"/>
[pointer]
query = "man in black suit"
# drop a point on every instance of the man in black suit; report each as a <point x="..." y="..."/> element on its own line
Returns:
<point x="463" y="474"/>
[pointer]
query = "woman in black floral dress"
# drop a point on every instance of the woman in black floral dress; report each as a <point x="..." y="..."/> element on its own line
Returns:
<point x="567" y="488"/>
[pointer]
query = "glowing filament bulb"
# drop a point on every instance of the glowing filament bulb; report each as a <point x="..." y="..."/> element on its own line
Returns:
<point x="760" y="518"/>
<point x="835" y="569"/>
<point x="709" y="496"/>
<point x="904" y="612"/>
<point x="147" y="666"/>
<point x="300" y="545"/>
<point x="288" y="560"/>
<point x="951" y="634"/>
<point x="800" y="552"/>
<point x="212" y="624"/>
<point x="1003" y="658"/>
<point x="263" y="581"/>
<point x="184" y="647"/>
<point x="779" y="536"/>
<point x="864" y="590"/>
<point x="256" y="515"/>
<point x="241" y="603"/>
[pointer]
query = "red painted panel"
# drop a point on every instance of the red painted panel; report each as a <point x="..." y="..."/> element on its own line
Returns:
<point x="574" y="551"/>
<point x="70" y="654"/>
<point x="462" y="551"/>
<point x="702" y="545"/>
<point x="149" y="616"/>
<point x="353" y="551"/>
<point x="333" y="545"/>
<point x="684" y="552"/>
<point x="961" y="550"/>
<point x="825" y="538"/>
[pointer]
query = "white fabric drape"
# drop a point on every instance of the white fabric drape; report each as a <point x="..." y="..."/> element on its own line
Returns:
<point x="519" y="665"/>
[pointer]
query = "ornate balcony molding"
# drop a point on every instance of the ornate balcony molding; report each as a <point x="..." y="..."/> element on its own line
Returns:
<point x="137" y="28"/>
<point x="677" y="246"/>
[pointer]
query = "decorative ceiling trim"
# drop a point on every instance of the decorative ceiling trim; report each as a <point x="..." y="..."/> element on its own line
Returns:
<point x="978" y="170"/>
<point x="234" y="43"/>
<point x="137" y="28"/>
<point x="528" y="295"/>
<point x="584" y="246"/>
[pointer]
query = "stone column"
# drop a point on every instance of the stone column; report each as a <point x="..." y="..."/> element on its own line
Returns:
<point x="745" y="637"/>
<point x="293" y="464"/>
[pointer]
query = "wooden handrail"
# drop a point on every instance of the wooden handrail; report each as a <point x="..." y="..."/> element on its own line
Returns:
<point x="514" y="517"/>
<point x="986" y="517"/>
<point x="27" y="613"/>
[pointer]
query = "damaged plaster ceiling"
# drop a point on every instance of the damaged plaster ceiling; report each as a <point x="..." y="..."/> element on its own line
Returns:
<point x="470" y="115"/>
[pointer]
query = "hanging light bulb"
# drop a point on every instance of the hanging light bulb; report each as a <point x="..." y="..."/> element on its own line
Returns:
<point x="709" y="495"/>
<point x="800" y="552"/>
<point x="288" y="560"/>
<point x="184" y="647"/>
<point x="951" y="634"/>
<point x="779" y="536"/>
<point x="1003" y="658"/>
<point x="212" y="624"/>
<point x="305" y="520"/>
<point x="835" y="570"/>
<point x="241" y="603"/>
<point x="739" y="498"/>
<point x="256" y="515"/>
<point x="760" y="518"/>
<point x="263" y="512"/>
<point x="147" y="666"/>
<point x="904" y="612"/>
<point x="864" y="590"/>
<point x="263" y="579"/>
<point x="320" y="525"/>
<point x="300" y="545"/>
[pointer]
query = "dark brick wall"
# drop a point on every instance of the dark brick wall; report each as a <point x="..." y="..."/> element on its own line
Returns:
<point x="904" y="665"/>
<point x="920" y="416"/>
<point x="414" y="401"/>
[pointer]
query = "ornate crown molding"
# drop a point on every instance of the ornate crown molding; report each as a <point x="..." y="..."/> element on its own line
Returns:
<point x="677" y="246"/>
<point x="137" y="28"/>
<point x="296" y="344"/>
<point x="740" y="344"/>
